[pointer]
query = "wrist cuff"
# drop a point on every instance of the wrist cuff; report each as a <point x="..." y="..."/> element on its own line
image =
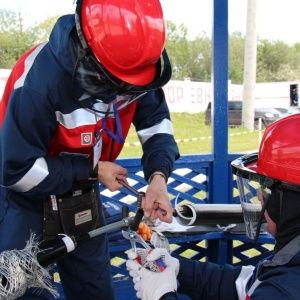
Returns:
<point x="157" y="174"/>
<point x="165" y="296"/>
<point x="94" y="174"/>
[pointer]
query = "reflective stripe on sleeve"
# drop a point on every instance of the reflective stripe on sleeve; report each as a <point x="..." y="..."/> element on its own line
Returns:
<point x="33" y="177"/>
<point x="165" y="126"/>
<point x="242" y="281"/>
<point x="28" y="64"/>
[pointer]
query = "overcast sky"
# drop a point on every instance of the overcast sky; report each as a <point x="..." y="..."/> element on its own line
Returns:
<point x="276" y="19"/>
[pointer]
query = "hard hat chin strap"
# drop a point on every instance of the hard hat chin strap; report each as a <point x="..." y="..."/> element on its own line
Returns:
<point x="78" y="28"/>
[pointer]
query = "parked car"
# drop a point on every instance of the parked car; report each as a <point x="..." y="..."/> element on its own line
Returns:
<point x="287" y="111"/>
<point x="267" y="115"/>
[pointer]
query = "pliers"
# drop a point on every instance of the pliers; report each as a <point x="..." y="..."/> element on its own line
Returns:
<point x="134" y="238"/>
<point x="132" y="234"/>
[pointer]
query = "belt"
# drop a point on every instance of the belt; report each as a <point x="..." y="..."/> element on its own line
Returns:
<point x="75" y="193"/>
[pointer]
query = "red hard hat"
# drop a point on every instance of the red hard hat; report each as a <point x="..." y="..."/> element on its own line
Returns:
<point x="279" y="152"/>
<point x="126" y="36"/>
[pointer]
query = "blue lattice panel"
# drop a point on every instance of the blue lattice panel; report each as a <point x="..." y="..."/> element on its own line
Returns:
<point x="189" y="179"/>
<point x="244" y="252"/>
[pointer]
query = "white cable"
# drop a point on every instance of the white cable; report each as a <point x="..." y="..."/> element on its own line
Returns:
<point x="190" y="220"/>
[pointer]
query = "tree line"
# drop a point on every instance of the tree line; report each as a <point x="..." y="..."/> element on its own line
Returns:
<point x="276" y="60"/>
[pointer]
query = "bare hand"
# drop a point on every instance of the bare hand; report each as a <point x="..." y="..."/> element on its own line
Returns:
<point x="110" y="173"/>
<point x="156" y="202"/>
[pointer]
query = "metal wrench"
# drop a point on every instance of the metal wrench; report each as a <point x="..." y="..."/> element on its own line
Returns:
<point x="140" y="195"/>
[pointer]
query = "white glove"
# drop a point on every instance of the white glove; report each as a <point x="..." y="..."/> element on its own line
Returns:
<point x="153" y="285"/>
<point x="153" y="255"/>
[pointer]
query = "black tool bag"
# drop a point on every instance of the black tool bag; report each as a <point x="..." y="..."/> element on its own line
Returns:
<point x="73" y="216"/>
<point x="51" y="223"/>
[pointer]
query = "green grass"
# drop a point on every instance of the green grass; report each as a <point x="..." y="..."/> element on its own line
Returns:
<point x="191" y="126"/>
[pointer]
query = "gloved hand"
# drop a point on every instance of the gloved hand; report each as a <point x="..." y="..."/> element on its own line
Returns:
<point x="154" y="255"/>
<point x="153" y="285"/>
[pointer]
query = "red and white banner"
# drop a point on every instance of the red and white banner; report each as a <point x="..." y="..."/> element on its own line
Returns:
<point x="193" y="97"/>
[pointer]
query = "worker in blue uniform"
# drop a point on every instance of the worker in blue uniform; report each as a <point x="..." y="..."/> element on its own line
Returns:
<point x="67" y="108"/>
<point x="270" y="177"/>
